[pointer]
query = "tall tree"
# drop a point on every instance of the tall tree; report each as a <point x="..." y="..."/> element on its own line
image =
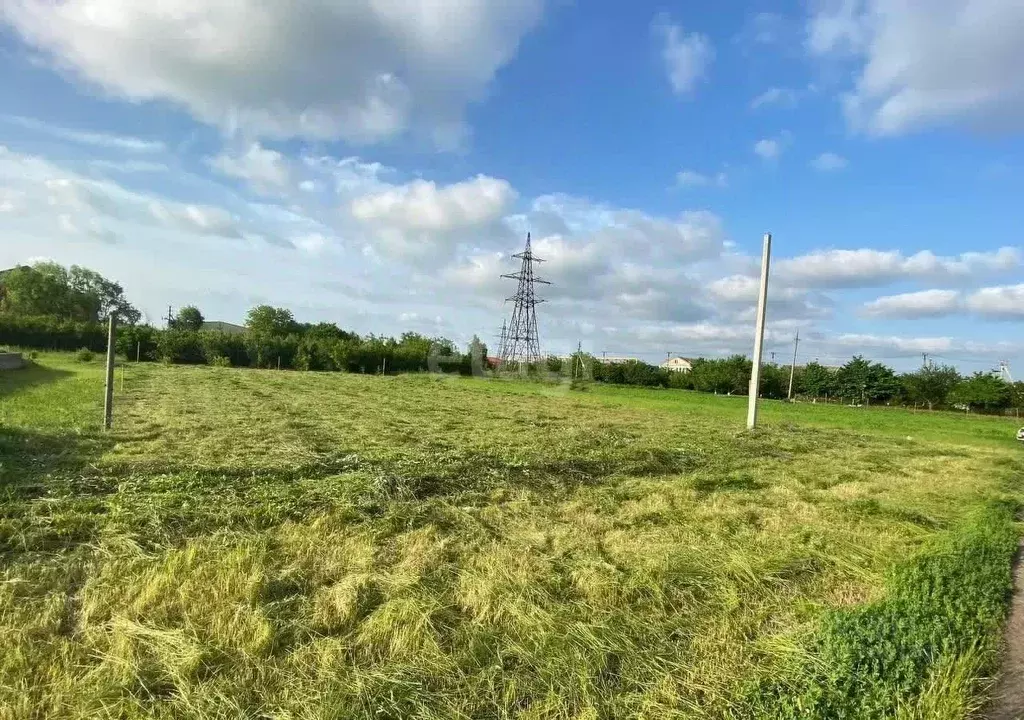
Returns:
<point x="982" y="391"/>
<point x="931" y="385"/>
<point x="818" y="381"/>
<point x="189" y="318"/>
<point x="866" y="381"/>
<point x="106" y="296"/>
<point x="49" y="289"/>
<point x="271" y="321"/>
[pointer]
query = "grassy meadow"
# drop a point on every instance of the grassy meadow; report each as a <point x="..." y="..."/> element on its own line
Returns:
<point x="263" y="544"/>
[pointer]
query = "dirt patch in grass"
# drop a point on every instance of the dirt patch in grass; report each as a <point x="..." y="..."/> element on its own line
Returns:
<point x="1008" y="694"/>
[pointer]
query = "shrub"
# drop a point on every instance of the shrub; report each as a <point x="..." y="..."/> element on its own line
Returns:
<point x="220" y="361"/>
<point x="84" y="355"/>
<point x="181" y="346"/>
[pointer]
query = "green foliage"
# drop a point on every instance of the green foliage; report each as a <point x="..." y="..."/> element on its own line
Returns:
<point x="728" y="376"/>
<point x="48" y="333"/>
<point x="944" y="606"/>
<point x="1017" y="394"/>
<point x="866" y="382"/>
<point x="188" y="318"/>
<point x="270" y="321"/>
<point x="219" y="361"/>
<point x="76" y="294"/>
<point x="181" y="346"/>
<point x="774" y="381"/>
<point x="85" y="355"/>
<point x="818" y="381"/>
<point x="930" y="385"/>
<point x="229" y="345"/>
<point x="138" y="342"/>
<point x="982" y="391"/>
<point x="632" y="372"/>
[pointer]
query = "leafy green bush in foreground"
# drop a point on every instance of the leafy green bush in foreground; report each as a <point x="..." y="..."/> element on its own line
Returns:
<point x="942" y="614"/>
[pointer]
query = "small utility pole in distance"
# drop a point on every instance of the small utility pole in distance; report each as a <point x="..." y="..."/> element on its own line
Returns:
<point x="108" y="399"/>
<point x="762" y="301"/>
<point x="792" y="368"/>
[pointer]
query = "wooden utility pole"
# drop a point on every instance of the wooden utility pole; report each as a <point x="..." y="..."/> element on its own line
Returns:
<point x="762" y="301"/>
<point x="792" y="368"/>
<point x="108" y="399"/>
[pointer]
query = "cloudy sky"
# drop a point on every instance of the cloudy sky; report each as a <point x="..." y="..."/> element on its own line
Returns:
<point x="375" y="163"/>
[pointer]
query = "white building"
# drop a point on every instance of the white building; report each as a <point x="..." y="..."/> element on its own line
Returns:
<point x="678" y="364"/>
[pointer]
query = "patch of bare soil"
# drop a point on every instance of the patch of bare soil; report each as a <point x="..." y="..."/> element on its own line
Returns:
<point x="1008" y="695"/>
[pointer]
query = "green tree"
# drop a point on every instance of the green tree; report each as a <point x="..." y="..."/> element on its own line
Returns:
<point x="189" y="318"/>
<point x="774" y="381"/>
<point x="817" y="381"/>
<point x="47" y="289"/>
<point x="982" y="391"/>
<point x="866" y="381"/>
<point x="270" y="321"/>
<point x="930" y="385"/>
<point x="728" y="376"/>
<point x="37" y="291"/>
<point x="106" y="296"/>
<point x="1017" y="395"/>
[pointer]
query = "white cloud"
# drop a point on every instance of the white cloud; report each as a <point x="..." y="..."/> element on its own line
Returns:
<point x="266" y="170"/>
<point x="198" y="219"/>
<point x="130" y="166"/>
<point x="686" y="56"/>
<point x="998" y="302"/>
<point x="362" y="70"/>
<point x="692" y="178"/>
<point x="312" y="243"/>
<point x="829" y="162"/>
<point x="783" y="97"/>
<point x="422" y="220"/>
<point x="866" y="267"/>
<point x="605" y="263"/>
<point x="736" y="296"/>
<point x="124" y="143"/>
<point x="927" y="303"/>
<point x="924" y="64"/>
<point x="766" y="28"/>
<point x="837" y="26"/>
<point x="768" y="149"/>
<point x="863" y="344"/>
<point x="695" y="235"/>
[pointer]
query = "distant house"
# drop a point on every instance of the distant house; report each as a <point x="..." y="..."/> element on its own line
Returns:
<point x="223" y="327"/>
<point x="678" y="364"/>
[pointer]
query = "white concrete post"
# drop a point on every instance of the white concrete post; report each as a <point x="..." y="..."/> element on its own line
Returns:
<point x="755" y="371"/>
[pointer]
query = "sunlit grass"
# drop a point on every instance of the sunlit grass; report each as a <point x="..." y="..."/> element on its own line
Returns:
<point x="286" y="545"/>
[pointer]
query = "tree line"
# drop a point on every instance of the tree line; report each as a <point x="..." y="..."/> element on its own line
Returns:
<point x="858" y="382"/>
<point x="47" y="306"/>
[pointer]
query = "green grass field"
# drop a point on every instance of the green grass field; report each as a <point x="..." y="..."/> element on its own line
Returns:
<point x="260" y="544"/>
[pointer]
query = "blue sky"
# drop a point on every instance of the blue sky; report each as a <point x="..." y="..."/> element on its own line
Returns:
<point x="375" y="162"/>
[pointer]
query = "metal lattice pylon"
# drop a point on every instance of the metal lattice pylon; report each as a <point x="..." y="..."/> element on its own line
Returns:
<point x="522" y="343"/>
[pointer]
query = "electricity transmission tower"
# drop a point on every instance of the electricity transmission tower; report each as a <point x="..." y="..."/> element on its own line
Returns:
<point x="1004" y="371"/>
<point x="522" y="343"/>
<point x="502" y="339"/>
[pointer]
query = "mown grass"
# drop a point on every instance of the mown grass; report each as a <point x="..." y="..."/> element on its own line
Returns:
<point x="281" y="545"/>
